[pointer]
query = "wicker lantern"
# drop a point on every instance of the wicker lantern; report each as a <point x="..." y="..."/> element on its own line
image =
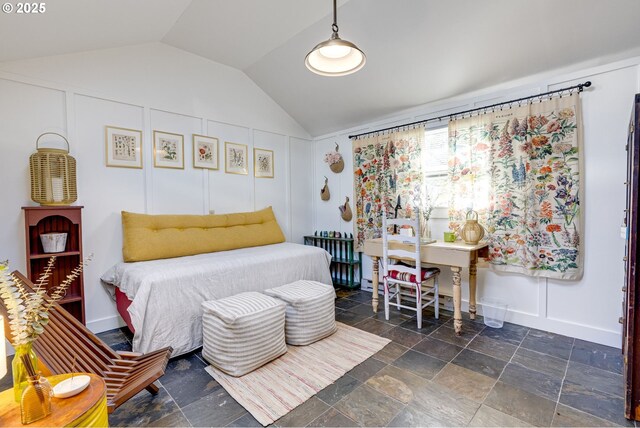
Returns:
<point x="53" y="175"/>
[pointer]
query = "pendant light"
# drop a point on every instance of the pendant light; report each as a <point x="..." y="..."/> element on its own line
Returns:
<point x="335" y="57"/>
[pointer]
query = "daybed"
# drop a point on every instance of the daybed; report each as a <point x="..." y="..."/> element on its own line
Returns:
<point x="164" y="278"/>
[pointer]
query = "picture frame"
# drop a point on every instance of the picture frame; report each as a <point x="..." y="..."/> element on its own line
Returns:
<point x="235" y="158"/>
<point x="205" y="152"/>
<point x="262" y="163"/>
<point x="123" y="147"/>
<point x="168" y="150"/>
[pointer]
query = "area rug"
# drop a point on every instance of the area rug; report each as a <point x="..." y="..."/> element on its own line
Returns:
<point x="280" y="386"/>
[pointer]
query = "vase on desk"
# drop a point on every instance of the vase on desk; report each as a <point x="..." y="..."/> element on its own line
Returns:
<point x="20" y="373"/>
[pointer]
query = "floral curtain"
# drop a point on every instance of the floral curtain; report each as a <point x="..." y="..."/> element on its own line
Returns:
<point x="385" y="167"/>
<point x="520" y="170"/>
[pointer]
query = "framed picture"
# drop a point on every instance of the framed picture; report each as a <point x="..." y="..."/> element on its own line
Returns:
<point x="235" y="158"/>
<point x="168" y="150"/>
<point x="263" y="163"/>
<point x="123" y="147"/>
<point x="205" y="152"/>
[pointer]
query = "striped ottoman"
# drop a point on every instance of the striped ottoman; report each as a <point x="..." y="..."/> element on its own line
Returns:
<point x="311" y="313"/>
<point x="243" y="332"/>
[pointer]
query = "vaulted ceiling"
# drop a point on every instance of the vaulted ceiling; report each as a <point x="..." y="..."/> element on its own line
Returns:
<point x="417" y="50"/>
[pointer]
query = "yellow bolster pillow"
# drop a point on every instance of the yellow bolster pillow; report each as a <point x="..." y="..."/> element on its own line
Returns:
<point x="151" y="237"/>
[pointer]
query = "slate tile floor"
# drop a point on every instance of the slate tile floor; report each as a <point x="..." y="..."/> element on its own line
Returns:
<point x="514" y="376"/>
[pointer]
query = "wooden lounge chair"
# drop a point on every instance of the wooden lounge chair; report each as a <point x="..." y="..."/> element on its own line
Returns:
<point x="125" y="373"/>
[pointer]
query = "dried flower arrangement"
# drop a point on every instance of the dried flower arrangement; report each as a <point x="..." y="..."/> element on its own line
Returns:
<point x="28" y="311"/>
<point x="334" y="159"/>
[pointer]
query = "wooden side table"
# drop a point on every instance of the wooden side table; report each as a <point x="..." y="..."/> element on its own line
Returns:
<point x="87" y="409"/>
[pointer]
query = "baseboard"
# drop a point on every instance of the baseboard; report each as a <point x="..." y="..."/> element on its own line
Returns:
<point x="105" y="324"/>
<point x="567" y="328"/>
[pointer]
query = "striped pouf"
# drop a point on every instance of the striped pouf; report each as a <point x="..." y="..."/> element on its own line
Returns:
<point x="243" y="332"/>
<point x="311" y="313"/>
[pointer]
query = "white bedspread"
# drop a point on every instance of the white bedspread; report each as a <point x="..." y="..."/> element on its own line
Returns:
<point x="167" y="294"/>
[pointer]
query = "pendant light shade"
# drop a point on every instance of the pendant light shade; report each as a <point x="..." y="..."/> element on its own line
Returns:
<point x="335" y="57"/>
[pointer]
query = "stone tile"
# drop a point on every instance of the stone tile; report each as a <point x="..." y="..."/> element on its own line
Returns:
<point x="366" y="369"/>
<point x="303" y="414"/>
<point x="444" y="405"/>
<point x="129" y="335"/>
<point x="215" y="409"/>
<point x="246" y="420"/>
<point x="187" y="381"/>
<point x="398" y="383"/>
<point x="143" y="409"/>
<point x="348" y="304"/>
<point x="594" y="402"/>
<point x="349" y="318"/>
<point x="480" y="363"/>
<point x="566" y="416"/>
<point x="474" y="386"/>
<point x="532" y="381"/>
<point x="552" y="366"/>
<point x="489" y="417"/>
<point x="510" y="333"/>
<point x="175" y="419"/>
<point x="341" y="293"/>
<point x="368" y="407"/>
<point x="113" y="337"/>
<point x="520" y="404"/>
<point x="494" y="348"/>
<point x="332" y="418"/>
<point x="467" y="325"/>
<point x="361" y="296"/>
<point x="437" y="348"/>
<point x="374" y="326"/>
<point x="596" y="355"/>
<point x="390" y="353"/>
<point x="447" y="334"/>
<point x="412" y="417"/>
<point x="421" y="364"/>
<point x="395" y="316"/>
<point x="552" y="344"/>
<point x="403" y="336"/>
<point x="427" y="327"/>
<point x="364" y="309"/>
<point x="122" y="346"/>
<point x="341" y="387"/>
<point x="594" y="378"/>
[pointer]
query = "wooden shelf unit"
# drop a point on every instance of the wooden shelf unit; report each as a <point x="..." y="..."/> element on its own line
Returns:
<point x="51" y="219"/>
<point x="343" y="262"/>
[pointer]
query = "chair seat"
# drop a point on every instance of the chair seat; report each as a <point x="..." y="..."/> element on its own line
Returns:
<point x="409" y="277"/>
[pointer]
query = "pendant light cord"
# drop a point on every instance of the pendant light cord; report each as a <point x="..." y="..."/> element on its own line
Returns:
<point x="334" y="27"/>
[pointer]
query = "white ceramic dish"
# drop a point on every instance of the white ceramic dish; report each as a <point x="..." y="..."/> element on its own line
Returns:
<point x="72" y="386"/>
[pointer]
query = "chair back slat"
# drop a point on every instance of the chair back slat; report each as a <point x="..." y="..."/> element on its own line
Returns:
<point x="65" y="339"/>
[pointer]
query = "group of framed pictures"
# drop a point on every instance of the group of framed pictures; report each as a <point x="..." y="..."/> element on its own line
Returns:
<point x="124" y="149"/>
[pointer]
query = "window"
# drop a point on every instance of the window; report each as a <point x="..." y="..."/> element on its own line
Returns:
<point x="435" y="155"/>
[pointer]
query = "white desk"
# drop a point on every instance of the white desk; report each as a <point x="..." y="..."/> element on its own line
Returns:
<point x="456" y="255"/>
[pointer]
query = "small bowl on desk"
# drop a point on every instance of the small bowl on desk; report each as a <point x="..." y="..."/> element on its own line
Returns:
<point x="71" y="386"/>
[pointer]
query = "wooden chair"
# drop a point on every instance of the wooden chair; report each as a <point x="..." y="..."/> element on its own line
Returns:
<point x="125" y="373"/>
<point x="411" y="282"/>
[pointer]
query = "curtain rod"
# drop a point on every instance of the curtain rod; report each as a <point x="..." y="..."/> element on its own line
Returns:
<point x="580" y="87"/>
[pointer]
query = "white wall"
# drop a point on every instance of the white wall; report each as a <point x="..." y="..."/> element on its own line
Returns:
<point x="145" y="87"/>
<point x="588" y="308"/>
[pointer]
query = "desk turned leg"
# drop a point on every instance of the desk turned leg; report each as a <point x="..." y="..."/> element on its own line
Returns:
<point x="473" y="269"/>
<point x="374" y="283"/>
<point x="457" y="299"/>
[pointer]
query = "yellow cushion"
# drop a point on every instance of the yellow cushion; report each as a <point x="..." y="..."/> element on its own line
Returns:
<point x="151" y="237"/>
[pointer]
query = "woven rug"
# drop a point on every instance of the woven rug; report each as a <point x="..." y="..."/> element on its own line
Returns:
<point x="280" y="386"/>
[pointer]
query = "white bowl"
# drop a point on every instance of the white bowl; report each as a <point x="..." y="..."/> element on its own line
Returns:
<point x="72" y="386"/>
